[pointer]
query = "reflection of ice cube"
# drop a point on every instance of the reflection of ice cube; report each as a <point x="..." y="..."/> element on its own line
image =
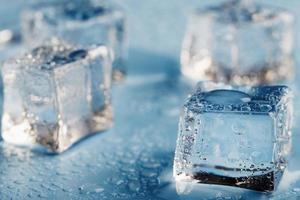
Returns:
<point x="83" y="22"/>
<point x="238" y="136"/>
<point x="240" y="43"/>
<point x="53" y="97"/>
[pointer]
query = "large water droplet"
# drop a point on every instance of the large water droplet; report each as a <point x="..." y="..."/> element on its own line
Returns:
<point x="227" y="97"/>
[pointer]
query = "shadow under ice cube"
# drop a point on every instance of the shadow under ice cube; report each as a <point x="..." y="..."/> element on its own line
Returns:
<point x="236" y="136"/>
<point x="84" y="22"/>
<point x="239" y="42"/>
<point x="56" y="95"/>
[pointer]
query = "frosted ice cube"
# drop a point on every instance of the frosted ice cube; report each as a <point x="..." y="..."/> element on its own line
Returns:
<point x="55" y="95"/>
<point x="239" y="42"/>
<point x="237" y="136"/>
<point x="83" y="22"/>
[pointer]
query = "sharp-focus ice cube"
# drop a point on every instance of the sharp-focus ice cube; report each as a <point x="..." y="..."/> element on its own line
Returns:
<point x="239" y="42"/>
<point x="83" y="22"/>
<point x="237" y="136"/>
<point x="55" y="95"/>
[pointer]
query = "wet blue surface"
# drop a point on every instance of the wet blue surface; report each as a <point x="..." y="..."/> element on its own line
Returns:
<point x="134" y="159"/>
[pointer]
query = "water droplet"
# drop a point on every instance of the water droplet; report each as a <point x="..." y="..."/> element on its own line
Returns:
<point x="226" y="97"/>
<point x="119" y="182"/>
<point x="246" y="99"/>
<point x="296" y="189"/>
<point x="99" y="190"/>
<point x="134" y="186"/>
<point x="265" y="107"/>
<point x="246" y="108"/>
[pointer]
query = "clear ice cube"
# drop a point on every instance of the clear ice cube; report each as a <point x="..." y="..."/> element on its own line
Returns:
<point x="236" y="136"/>
<point x="56" y="95"/>
<point x="239" y="42"/>
<point x="83" y="22"/>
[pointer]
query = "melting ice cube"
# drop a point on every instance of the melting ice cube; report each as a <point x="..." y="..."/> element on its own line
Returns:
<point x="83" y="22"/>
<point x="236" y="136"/>
<point x="55" y="95"/>
<point x="239" y="42"/>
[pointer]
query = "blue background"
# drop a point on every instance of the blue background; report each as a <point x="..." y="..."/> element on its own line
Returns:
<point x="134" y="159"/>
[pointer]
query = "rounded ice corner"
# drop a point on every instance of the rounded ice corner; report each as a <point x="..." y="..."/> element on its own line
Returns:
<point x="184" y="184"/>
<point x="183" y="187"/>
<point x="101" y="51"/>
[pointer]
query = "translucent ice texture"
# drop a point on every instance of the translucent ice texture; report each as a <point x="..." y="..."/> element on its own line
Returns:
<point x="234" y="136"/>
<point x="83" y="22"/>
<point x="239" y="42"/>
<point x="56" y="95"/>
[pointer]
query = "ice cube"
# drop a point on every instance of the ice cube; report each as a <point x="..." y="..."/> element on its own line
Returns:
<point x="239" y="42"/>
<point x="10" y="22"/>
<point x="83" y="22"/>
<point x="56" y="95"/>
<point x="236" y="136"/>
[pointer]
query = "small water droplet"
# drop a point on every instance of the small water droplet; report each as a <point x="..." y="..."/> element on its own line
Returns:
<point x="246" y="99"/>
<point x="265" y="107"/>
<point x="134" y="186"/>
<point x="99" y="190"/>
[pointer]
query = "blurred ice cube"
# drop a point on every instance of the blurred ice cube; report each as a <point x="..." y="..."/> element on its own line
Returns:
<point x="83" y="22"/>
<point x="10" y="21"/>
<point x="239" y="42"/>
<point x="236" y="136"/>
<point x="55" y="95"/>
